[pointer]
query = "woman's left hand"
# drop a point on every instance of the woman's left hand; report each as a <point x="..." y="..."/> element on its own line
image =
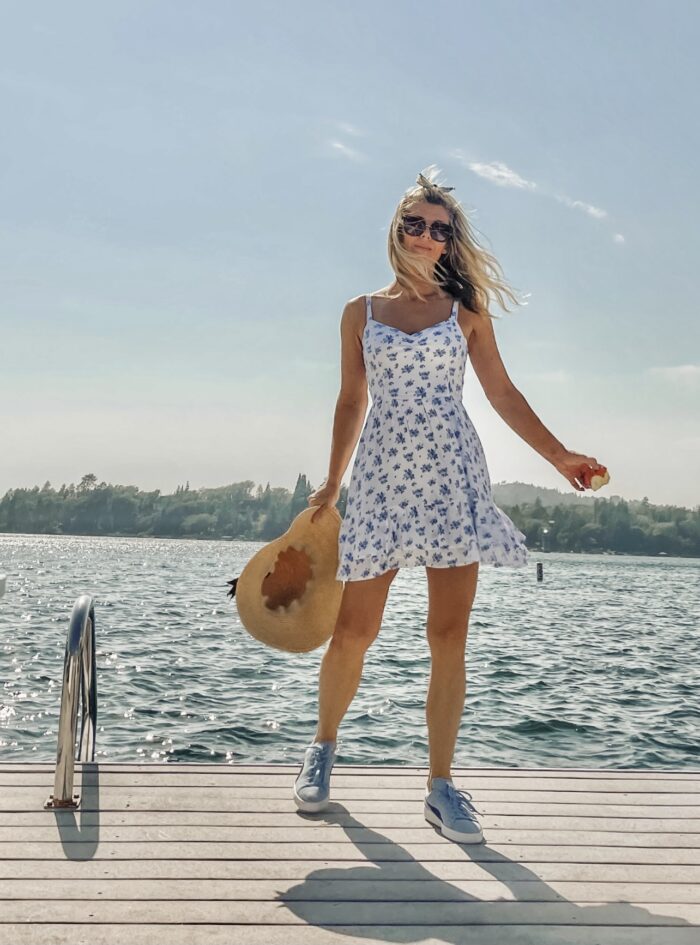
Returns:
<point x="577" y="469"/>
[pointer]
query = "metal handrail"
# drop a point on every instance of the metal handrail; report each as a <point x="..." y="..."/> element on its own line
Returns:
<point x="79" y="683"/>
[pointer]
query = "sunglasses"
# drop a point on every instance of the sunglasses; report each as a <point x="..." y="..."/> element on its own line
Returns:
<point x="415" y="226"/>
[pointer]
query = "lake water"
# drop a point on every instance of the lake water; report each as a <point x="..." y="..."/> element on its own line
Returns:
<point x="598" y="666"/>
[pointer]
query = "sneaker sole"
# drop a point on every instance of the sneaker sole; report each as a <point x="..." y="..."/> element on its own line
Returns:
<point x="433" y="818"/>
<point x="309" y="806"/>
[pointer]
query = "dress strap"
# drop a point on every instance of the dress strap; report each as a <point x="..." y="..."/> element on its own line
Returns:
<point x="368" y="305"/>
<point x="455" y="308"/>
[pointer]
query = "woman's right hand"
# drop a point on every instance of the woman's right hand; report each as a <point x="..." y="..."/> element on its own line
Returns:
<point x="326" y="495"/>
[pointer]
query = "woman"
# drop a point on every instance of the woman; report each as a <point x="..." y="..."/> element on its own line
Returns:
<point x="420" y="492"/>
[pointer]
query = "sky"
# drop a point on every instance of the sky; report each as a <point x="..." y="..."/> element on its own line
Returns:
<point x="191" y="192"/>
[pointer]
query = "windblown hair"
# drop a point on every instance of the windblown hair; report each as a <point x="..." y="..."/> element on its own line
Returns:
<point x="466" y="271"/>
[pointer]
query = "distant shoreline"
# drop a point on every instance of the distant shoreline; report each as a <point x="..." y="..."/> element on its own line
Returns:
<point x="227" y="539"/>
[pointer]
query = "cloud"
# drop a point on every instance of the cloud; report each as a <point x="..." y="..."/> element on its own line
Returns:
<point x="580" y="205"/>
<point x="338" y="147"/>
<point x="503" y="176"/>
<point x="499" y="173"/>
<point x="342" y="149"/>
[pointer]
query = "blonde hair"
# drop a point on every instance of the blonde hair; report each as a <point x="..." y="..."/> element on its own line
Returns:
<point x="466" y="270"/>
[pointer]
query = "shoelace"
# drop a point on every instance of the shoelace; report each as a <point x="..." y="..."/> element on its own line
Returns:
<point x="461" y="801"/>
<point x="317" y="757"/>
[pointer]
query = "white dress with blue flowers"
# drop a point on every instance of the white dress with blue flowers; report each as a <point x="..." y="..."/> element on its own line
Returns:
<point x="420" y="492"/>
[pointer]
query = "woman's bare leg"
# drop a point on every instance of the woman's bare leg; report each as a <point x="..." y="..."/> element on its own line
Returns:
<point x="451" y="593"/>
<point x="357" y="626"/>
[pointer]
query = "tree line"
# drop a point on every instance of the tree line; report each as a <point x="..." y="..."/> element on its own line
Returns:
<point x="245" y="511"/>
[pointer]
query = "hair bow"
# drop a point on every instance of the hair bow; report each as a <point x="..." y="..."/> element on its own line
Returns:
<point x="424" y="182"/>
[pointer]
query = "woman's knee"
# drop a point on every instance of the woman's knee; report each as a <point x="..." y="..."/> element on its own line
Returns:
<point x="354" y="635"/>
<point x="447" y="635"/>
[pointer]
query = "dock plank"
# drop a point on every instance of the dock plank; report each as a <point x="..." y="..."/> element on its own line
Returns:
<point x="328" y="912"/>
<point x="354" y="890"/>
<point x="360" y="834"/>
<point x="455" y="870"/>
<point x="397" y="785"/>
<point x="356" y="769"/>
<point x="188" y="934"/>
<point x="224" y="797"/>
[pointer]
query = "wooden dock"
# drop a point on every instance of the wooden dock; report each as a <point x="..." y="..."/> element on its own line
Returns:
<point x="196" y="853"/>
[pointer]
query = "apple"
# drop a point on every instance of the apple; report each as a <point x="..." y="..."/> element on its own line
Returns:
<point x="600" y="477"/>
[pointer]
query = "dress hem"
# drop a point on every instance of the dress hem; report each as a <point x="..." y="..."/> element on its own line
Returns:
<point x="407" y="561"/>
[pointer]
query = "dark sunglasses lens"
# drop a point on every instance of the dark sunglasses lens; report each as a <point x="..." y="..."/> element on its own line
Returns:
<point x="414" y="226"/>
<point x="440" y="232"/>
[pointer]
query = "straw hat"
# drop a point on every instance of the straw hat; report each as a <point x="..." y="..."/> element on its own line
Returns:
<point x="287" y="594"/>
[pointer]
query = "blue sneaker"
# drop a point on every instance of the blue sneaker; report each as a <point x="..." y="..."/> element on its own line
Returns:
<point x="452" y="811"/>
<point x="312" y="786"/>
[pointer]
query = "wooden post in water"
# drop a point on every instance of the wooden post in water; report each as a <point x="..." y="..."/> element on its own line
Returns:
<point x="540" y="569"/>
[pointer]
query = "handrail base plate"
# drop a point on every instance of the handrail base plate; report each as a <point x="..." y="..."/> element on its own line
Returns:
<point x="52" y="804"/>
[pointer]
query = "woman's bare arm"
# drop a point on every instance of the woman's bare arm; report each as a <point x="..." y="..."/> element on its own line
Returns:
<point x="351" y="405"/>
<point x="504" y="396"/>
